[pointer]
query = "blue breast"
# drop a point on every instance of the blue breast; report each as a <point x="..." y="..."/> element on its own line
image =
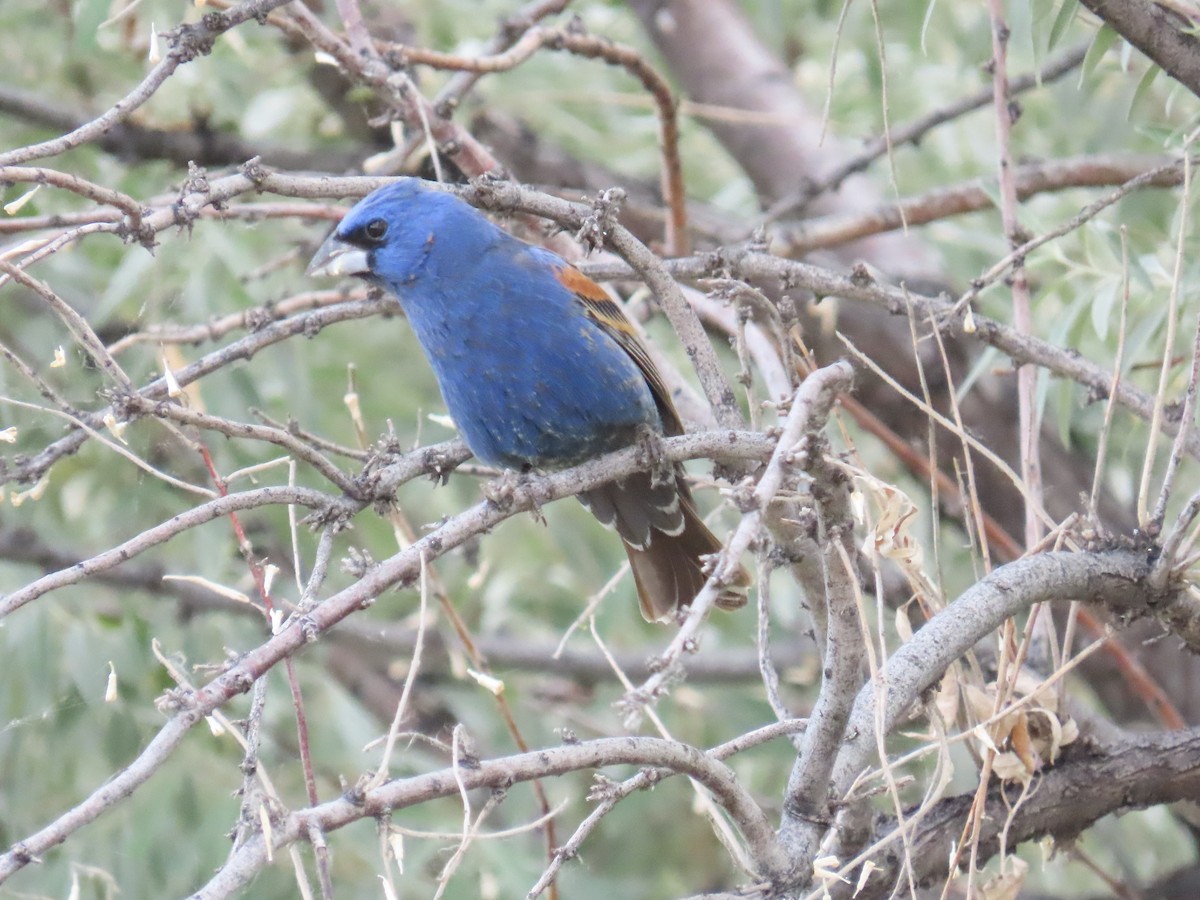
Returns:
<point x="527" y="376"/>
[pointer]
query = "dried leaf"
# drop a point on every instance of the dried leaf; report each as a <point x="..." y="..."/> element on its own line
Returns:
<point x="115" y="428"/>
<point x="495" y="685"/>
<point x="110" y="684"/>
<point x="980" y="702"/>
<point x="1006" y="885"/>
<point x="14" y="206"/>
<point x="969" y="326"/>
<point x="1023" y="746"/>
<point x="1009" y="767"/>
<point x="981" y="735"/>
<point x="903" y="625"/>
<point x="227" y="592"/>
<point x="825" y="870"/>
<point x="867" y="869"/>
<point x="947" y="699"/>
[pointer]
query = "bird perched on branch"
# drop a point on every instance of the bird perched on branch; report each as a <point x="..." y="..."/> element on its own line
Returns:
<point x="538" y="366"/>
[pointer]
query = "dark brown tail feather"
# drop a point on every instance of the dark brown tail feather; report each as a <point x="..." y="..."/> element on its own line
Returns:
<point x="669" y="572"/>
<point x="665" y="539"/>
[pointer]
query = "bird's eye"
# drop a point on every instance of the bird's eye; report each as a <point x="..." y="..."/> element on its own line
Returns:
<point x="376" y="229"/>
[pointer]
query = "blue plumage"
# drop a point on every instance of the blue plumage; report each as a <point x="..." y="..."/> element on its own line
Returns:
<point x="537" y="365"/>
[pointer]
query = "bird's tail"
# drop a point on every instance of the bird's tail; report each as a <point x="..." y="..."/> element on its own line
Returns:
<point x="667" y="543"/>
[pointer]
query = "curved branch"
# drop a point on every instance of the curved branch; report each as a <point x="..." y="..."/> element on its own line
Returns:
<point x="200" y="145"/>
<point x="400" y="570"/>
<point x="811" y="407"/>
<point x="835" y="229"/>
<point x="34" y="467"/>
<point x="1142" y="771"/>
<point x="913" y="132"/>
<point x="1152" y="29"/>
<point x="1022" y="349"/>
<point x="1119" y="580"/>
<point x="382" y="642"/>
<point x="188" y="42"/>
<point x="575" y="41"/>
<point x="152" y="537"/>
<point x="500" y="773"/>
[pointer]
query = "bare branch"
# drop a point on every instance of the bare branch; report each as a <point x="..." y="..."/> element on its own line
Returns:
<point x="1132" y="773"/>
<point x="1169" y="42"/>
<point x="826" y="283"/>
<point x="188" y="42"/>
<point x="1117" y="580"/>
<point x="401" y="793"/>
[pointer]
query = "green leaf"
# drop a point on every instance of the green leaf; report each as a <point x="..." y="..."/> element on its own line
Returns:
<point x="1102" y="307"/>
<point x="988" y="359"/>
<point x="925" y="25"/>
<point x="1063" y="409"/>
<point x="991" y="188"/>
<point x="1104" y="39"/>
<point x="87" y="15"/>
<point x="1063" y="330"/>
<point x="1142" y="89"/>
<point x="1062" y="21"/>
<point x="1138" y="345"/>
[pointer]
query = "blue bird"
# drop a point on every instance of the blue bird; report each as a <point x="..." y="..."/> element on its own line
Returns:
<point x="538" y="367"/>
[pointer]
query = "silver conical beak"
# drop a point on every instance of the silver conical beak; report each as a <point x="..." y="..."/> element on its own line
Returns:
<point x="337" y="258"/>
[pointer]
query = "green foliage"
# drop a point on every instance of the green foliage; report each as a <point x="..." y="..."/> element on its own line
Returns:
<point x="59" y="739"/>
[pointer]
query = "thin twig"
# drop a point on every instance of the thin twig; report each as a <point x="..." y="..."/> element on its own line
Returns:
<point x="188" y="42"/>
<point x="810" y="409"/>
<point x="573" y="40"/>
<point x="152" y="537"/>
<point x="1187" y="421"/>
<point x="913" y="132"/>
<point x="1022" y="303"/>
<point x="414" y="665"/>
<point x="609" y="795"/>
<point x="1163" y="175"/>
<point x="1110" y="405"/>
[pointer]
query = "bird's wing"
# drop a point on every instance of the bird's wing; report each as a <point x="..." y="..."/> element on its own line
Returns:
<point x="607" y="313"/>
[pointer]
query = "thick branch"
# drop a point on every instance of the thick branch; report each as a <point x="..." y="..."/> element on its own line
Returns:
<point x="639" y="751"/>
<point x="808" y="784"/>
<point x="400" y="570"/>
<point x="1166" y="40"/>
<point x="1068" y="798"/>
<point x="201" y="145"/>
<point x="381" y="642"/>
<point x="1118" y="580"/>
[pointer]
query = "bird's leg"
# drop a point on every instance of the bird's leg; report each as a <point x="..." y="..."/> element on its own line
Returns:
<point x="652" y="458"/>
<point x="501" y="491"/>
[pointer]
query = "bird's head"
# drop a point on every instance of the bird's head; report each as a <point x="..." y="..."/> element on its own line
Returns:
<point x="388" y="236"/>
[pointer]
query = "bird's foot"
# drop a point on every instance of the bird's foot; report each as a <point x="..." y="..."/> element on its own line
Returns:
<point x="502" y="491"/>
<point x="652" y="456"/>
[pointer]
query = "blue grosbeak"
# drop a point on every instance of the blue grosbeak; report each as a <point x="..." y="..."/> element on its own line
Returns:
<point x="537" y="364"/>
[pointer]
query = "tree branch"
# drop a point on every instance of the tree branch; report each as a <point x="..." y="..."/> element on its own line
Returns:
<point x="1119" y="580"/>
<point x="1086" y="785"/>
<point x="1151" y="28"/>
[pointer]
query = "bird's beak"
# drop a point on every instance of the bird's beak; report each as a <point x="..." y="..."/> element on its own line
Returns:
<point x="337" y="258"/>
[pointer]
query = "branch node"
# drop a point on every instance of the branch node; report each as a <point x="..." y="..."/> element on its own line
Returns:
<point x="255" y="170"/>
<point x="596" y="227"/>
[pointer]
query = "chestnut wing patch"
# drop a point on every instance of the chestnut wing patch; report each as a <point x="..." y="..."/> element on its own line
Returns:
<point x="607" y="313"/>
